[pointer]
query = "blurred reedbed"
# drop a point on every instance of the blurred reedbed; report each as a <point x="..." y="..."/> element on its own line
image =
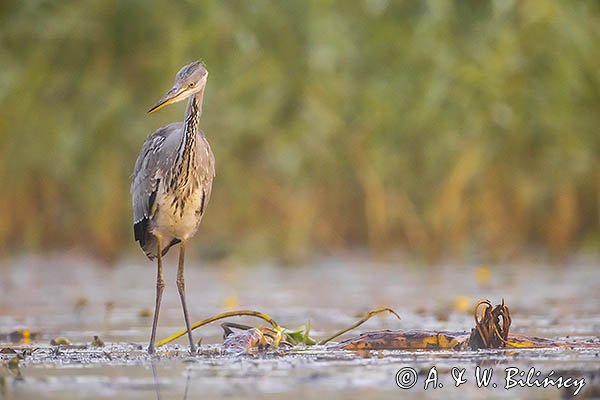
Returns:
<point x="434" y="128"/>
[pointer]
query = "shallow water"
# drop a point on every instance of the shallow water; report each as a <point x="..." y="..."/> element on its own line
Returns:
<point x="79" y="298"/>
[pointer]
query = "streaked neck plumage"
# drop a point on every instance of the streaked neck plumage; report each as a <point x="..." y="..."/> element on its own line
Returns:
<point x="193" y="112"/>
<point x="186" y="154"/>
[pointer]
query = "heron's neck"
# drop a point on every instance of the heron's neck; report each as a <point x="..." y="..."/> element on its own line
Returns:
<point x="186" y="154"/>
<point x="193" y="112"/>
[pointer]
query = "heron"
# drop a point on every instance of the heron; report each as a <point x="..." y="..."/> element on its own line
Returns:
<point x="171" y="184"/>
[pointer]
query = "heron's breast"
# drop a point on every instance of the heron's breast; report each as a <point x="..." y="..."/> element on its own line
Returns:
<point x="179" y="216"/>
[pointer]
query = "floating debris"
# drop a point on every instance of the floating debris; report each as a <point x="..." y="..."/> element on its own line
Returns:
<point x="368" y="316"/>
<point x="224" y="315"/>
<point x="299" y="336"/>
<point x="97" y="342"/>
<point x="268" y="337"/>
<point x="60" y="341"/>
<point x="462" y="304"/>
<point x="80" y="304"/>
<point x="491" y="326"/>
<point x="246" y="341"/>
<point x="13" y="363"/>
<point x="109" y="307"/>
<point x="405" y="340"/>
<point x="483" y="275"/>
<point x="14" y="367"/>
<point x="19" y="336"/>
<point x="231" y="302"/>
<point x="491" y="331"/>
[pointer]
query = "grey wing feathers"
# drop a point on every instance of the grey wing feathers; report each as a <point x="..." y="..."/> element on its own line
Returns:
<point x="152" y="164"/>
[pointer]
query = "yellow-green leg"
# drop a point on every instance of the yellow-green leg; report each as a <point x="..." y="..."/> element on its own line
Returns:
<point x="181" y="289"/>
<point x="160" y="285"/>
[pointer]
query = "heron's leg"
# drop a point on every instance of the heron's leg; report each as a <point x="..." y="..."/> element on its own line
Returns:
<point x="160" y="285"/>
<point x="181" y="289"/>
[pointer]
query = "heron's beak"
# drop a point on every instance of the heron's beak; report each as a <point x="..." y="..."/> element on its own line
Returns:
<point x="172" y="96"/>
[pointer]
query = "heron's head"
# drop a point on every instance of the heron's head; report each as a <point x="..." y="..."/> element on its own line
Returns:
<point x="189" y="81"/>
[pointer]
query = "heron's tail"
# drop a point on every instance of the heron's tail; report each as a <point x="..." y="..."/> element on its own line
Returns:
<point x="150" y="247"/>
<point x="148" y="241"/>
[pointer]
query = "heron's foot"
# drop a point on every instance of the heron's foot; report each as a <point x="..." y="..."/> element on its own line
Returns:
<point x="151" y="349"/>
<point x="193" y="349"/>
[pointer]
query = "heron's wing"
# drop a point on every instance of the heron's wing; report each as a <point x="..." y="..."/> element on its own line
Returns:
<point x="157" y="154"/>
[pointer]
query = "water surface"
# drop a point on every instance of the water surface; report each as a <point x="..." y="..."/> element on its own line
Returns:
<point x="78" y="298"/>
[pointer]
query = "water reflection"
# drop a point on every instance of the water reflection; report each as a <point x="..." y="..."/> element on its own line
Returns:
<point x="157" y="383"/>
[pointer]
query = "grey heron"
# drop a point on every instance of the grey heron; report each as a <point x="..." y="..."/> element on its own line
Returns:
<point x="171" y="184"/>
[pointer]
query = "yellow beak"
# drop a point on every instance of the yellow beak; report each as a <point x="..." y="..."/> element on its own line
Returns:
<point x="172" y="96"/>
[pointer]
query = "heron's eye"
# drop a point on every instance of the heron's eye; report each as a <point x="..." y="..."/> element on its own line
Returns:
<point x="192" y="84"/>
